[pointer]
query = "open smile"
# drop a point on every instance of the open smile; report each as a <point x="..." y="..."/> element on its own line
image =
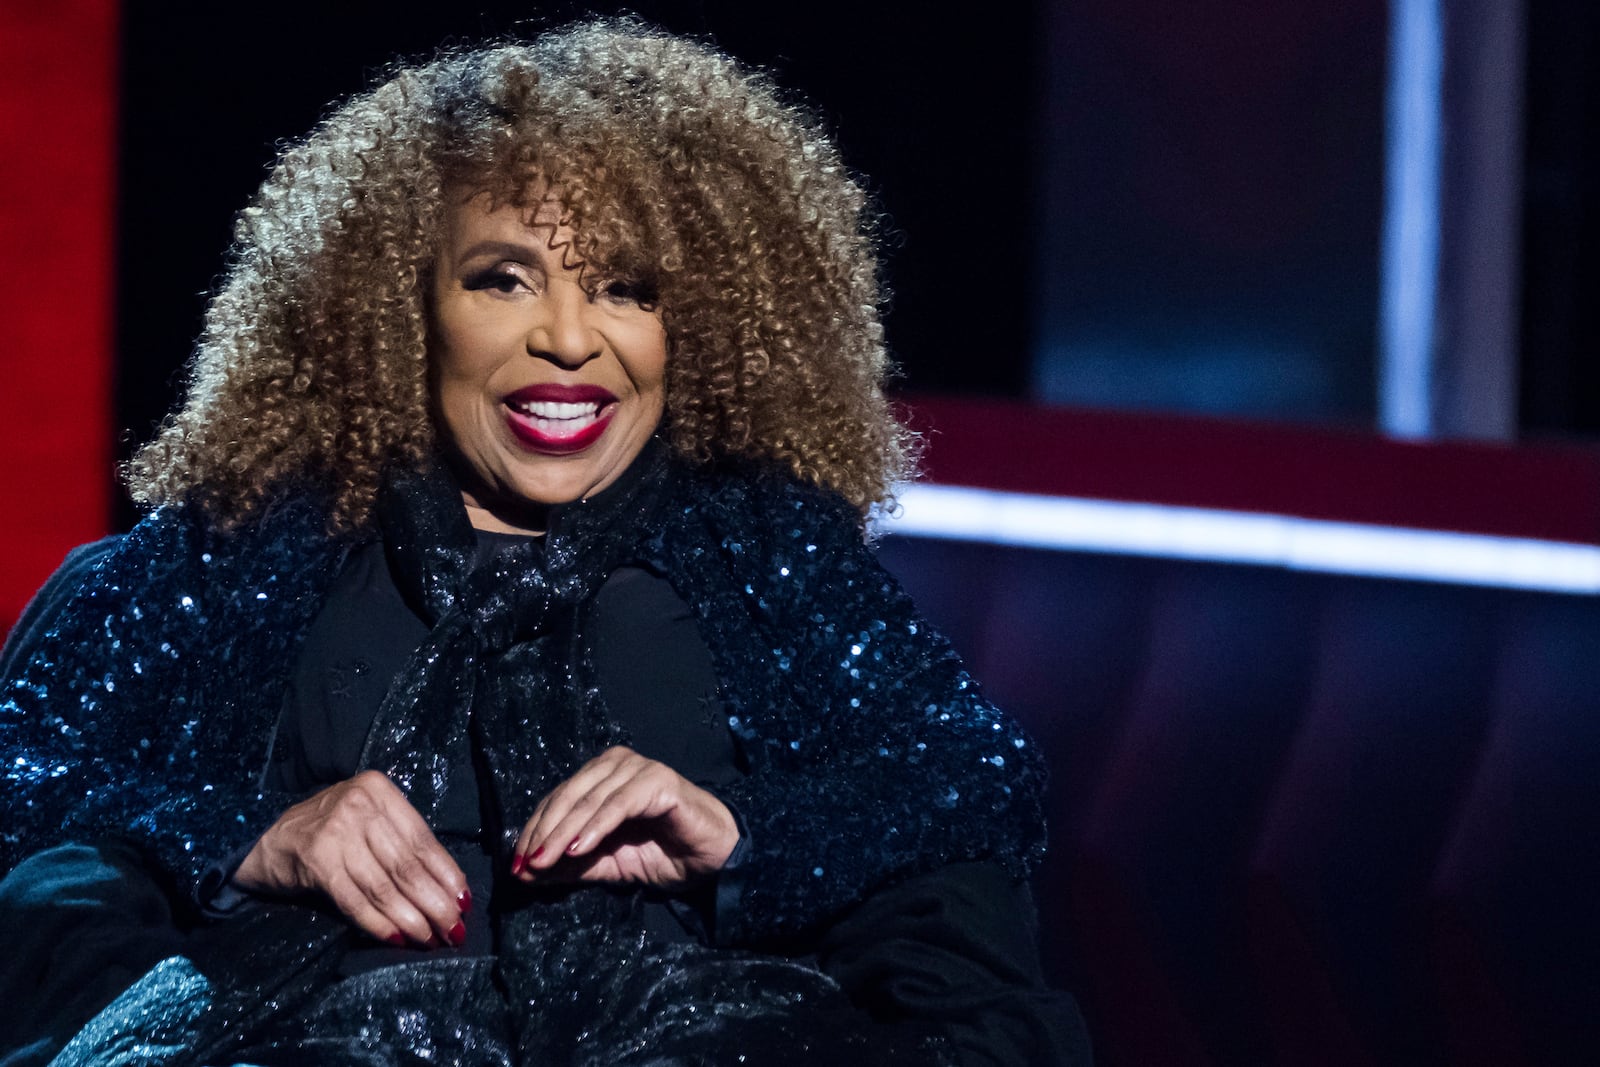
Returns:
<point x="559" y="419"/>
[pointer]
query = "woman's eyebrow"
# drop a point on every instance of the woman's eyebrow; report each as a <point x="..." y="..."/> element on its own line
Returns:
<point x="499" y="250"/>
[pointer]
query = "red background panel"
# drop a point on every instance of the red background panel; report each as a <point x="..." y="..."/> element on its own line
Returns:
<point x="58" y="91"/>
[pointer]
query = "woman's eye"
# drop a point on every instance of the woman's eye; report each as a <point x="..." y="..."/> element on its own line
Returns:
<point x="626" y="291"/>
<point x="498" y="279"/>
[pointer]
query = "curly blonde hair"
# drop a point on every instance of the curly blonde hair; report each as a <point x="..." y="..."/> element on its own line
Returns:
<point x="671" y="159"/>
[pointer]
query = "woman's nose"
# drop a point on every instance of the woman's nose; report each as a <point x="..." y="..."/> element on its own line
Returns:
<point x="563" y="331"/>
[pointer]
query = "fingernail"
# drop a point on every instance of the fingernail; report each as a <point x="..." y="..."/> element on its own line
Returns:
<point x="574" y="846"/>
<point x="518" y="862"/>
<point x="397" y="939"/>
<point x="457" y="934"/>
<point x="538" y="852"/>
<point x="464" y="901"/>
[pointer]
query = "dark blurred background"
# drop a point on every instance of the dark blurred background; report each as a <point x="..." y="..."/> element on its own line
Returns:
<point x="1116" y="203"/>
<point x="1297" y="818"/>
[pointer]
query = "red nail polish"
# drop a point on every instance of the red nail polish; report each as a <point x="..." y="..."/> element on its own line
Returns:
<point x="457" y="935"/>
<point x="518" y="862"/>
<point x="538" y="852"/>
<point x="574" y="846"/>
<point x="397" y="939"/>
<point x="464" y="901"/>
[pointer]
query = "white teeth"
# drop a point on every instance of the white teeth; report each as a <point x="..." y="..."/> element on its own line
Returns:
<point x="555" y="419"/>
<point x="561" y="427"/>
<point x="549" y="409"/>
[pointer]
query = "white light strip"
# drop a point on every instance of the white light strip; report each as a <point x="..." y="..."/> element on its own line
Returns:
<point x="1411" y="219"/>
<point x="963" y="514"/>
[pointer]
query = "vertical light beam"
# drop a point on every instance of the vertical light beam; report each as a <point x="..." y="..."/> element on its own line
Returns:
<point x="1410" y="267"/>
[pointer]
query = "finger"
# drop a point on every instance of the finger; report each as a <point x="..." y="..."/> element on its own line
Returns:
<point x="370" y="889"/>
<point x="437" y="865"/>
<point x="380" y="891"/>
<point x="567" y="813"/>
<point x="627" y="856"/>
<point x="405" y="869"/>
<point x="418" y="844"/>
<point x="354" y="905"/>
<point x="670" y="830"/>
<point x="533" y="844"/>
<point x="448" y="874"/>
<point x="519" y="851"/>
<point x="644" y="792"/>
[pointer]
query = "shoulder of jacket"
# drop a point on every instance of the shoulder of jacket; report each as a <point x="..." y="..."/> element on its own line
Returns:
<point x="754" y="496"/>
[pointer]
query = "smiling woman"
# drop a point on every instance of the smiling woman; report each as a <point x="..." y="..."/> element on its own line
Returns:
<point x="501" y="675"/>
<point x="676" y="169"/>
<point x="549" y="376"/>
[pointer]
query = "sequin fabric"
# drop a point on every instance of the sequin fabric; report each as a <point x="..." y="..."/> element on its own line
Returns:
<point x="875" y="753"/>
<point x="146" y="712"/>
<point x="146" y="708"/>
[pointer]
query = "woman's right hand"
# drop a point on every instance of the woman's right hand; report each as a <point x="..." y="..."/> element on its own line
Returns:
<point x="363" y="845"/>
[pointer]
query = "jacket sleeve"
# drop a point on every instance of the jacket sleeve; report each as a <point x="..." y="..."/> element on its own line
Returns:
<point x="956" y="949"/>
<point x="103" y="732"/>
<point x="873" y="755"/>
<point x="40" y="614"/>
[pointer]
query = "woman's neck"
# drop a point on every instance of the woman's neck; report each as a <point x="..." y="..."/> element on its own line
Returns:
<point x="483" y="518"/>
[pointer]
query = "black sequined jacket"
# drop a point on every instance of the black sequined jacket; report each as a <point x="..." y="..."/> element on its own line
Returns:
<point x="146" y="710"/>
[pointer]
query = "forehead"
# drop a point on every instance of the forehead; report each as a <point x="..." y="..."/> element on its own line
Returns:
<point x="467" y="209"/>
<point x="477" y="225"/>
<point x="587" y="228"/>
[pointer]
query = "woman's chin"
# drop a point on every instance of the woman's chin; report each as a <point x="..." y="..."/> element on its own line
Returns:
<point x="539" y="481"/>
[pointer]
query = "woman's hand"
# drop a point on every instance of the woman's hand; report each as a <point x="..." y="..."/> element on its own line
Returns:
<point x="364" y="846"/>
<point x="624" y="818"/>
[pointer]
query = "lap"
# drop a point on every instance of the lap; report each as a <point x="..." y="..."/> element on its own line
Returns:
<point x="87" y="921"/>
<point x="82" y="923"/>
<point x="678" y="1006"/>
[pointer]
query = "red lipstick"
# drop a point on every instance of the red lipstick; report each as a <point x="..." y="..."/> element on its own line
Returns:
<point x="557" y="420"/>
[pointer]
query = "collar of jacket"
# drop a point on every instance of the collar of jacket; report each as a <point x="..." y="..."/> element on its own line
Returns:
<point x="432" y="548"/>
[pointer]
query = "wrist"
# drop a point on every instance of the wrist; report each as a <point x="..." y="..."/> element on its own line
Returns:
<point x="726" y="833"/>
<point x="251" y="875"/>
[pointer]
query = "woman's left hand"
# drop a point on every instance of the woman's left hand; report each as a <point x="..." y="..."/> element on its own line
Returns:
<point x="625" y="818"/>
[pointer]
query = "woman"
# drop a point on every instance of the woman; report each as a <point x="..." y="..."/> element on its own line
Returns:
<point x="500" y="675"/>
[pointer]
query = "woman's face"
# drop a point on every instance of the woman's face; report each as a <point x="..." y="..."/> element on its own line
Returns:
<point x="548" y="382"/>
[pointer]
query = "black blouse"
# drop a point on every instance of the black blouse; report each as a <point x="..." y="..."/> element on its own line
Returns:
<point x="653" y="670"/>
